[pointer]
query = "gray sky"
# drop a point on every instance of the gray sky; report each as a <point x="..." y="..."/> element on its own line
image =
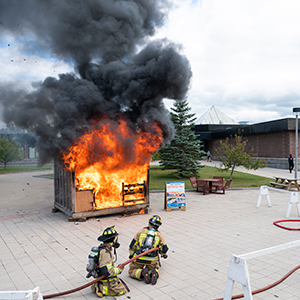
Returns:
<point x="244" y="55"/>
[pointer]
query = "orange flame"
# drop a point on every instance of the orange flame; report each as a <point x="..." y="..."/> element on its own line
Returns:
<point x="140" y="212"/>
<point x="109" y="154"/>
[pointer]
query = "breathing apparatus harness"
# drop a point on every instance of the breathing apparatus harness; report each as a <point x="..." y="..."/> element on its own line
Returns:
<point x="109" y="235"/>
<point x="115" y="245"/>
<point x="92" y="266"/>
<point x="93" y="262"/>
<point x="149" y="242"/>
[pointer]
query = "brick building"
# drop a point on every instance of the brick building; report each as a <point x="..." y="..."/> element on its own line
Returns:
<point x="273" y="141"/>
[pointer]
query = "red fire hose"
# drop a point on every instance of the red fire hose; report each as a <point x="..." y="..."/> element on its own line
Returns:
<point x="267" y="287"/>
<point x="284" y="277"/>
<point x="154" y="249"/>
<point x="97" y="279"/>
<point x="285" y="227"/>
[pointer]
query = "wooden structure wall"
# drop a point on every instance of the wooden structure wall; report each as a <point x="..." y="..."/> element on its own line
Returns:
<point x="78" y="204"/>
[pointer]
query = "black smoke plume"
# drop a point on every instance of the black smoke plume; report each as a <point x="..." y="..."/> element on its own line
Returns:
<point x="118" y="70"/>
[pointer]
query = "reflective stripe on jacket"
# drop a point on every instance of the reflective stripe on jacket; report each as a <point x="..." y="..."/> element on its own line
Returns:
<point x="106" y="262"/>
<point x="138" y="241"/>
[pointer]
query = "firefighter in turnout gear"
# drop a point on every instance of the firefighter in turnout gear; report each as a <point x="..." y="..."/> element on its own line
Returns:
<point x="111" y="285"/>
<point x="146" y="267"/>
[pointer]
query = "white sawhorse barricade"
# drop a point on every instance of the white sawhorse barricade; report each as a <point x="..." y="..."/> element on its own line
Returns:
<point x="34" y="294"/>
<point x="238" y="269"/>
<point x="264" y="191"/>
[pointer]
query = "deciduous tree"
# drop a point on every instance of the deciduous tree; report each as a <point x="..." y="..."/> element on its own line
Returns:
<point x="9" y="151"/>
<point x="233" y="154"/>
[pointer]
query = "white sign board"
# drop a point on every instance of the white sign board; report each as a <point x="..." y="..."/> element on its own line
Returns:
<point x="175" y="194"/>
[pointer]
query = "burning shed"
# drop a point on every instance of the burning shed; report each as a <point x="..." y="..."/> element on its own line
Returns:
<point x="101" y="175"/>
<point x="78" y="202"/>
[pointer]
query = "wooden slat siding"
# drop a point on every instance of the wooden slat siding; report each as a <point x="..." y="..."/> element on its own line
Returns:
<point x="65" y="195"/>
<point x="64" y="188"/>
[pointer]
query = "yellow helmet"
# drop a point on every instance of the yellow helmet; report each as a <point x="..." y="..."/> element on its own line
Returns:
<point x="108" y="235"/>
<point x="155" y="221"/>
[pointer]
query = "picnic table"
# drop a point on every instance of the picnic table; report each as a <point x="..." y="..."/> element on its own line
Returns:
<point x="201" y="183"/>
<point x="286" y="183"/>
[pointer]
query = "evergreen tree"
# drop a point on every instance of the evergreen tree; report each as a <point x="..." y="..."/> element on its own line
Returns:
<point x="184" y="152"/>
<point x="9" y="151"/>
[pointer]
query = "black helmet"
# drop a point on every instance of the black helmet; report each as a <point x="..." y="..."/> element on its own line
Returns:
<point x="108" y="235"/>
<point x="155" y="221"/>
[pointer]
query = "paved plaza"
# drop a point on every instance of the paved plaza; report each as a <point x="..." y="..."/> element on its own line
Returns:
<point x="42" y="249"/>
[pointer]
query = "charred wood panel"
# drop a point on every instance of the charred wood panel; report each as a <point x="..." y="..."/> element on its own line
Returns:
<point x="64" y="188"/>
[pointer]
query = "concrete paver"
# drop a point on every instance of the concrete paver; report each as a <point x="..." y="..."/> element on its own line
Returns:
<point x="41" y="248"/>
<point x="22" y="192"/>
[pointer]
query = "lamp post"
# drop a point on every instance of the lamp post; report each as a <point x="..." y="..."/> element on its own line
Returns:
<point x="296" y="111"/>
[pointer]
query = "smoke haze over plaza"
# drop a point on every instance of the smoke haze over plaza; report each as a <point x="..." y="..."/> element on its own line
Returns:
<point x="244" y="55"/>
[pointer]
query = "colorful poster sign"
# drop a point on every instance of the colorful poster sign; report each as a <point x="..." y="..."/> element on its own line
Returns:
<point x="175" y="194"/>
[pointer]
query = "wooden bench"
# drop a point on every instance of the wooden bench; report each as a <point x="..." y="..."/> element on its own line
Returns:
<point x="284" y="185"/>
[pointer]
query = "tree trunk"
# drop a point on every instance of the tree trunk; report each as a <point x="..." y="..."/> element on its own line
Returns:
<point x="232" y="171"/>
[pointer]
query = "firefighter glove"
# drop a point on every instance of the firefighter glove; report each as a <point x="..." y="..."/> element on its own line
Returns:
<point x="131" y="256"/>
<point x="164" y="256"/>
<point x="121" y="268"/>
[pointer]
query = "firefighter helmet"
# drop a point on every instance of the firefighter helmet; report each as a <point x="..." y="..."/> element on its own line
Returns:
<point x="108" y="235"/>
<point x="155" y="221"/>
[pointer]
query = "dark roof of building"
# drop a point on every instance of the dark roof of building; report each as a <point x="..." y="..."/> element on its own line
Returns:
<point x="214" y="131"/>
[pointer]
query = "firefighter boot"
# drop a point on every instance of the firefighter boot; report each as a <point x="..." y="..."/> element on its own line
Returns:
<point x="154" y="276"/>
<point x="98" y="290"/>
<point x="146" y="276"/>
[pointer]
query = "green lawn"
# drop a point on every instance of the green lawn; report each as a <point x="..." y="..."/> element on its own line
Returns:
<point x="158" y="178"/>
<point x="16" y="169"/>
<point x="239" y="179"/>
